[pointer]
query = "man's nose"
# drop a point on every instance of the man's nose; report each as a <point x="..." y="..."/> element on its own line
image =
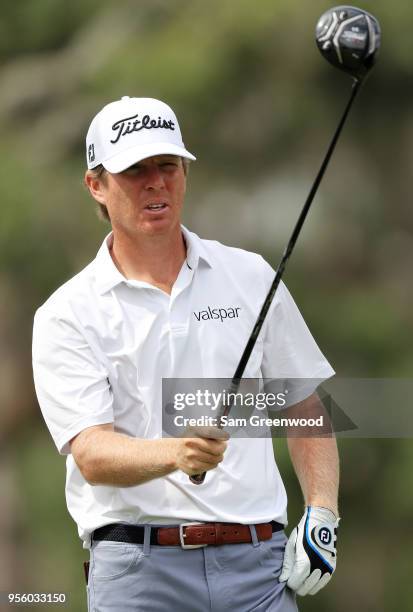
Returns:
<point x="153" y="177"/>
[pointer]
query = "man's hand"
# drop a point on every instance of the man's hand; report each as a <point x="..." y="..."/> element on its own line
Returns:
<point x="201" y="449"/>
<point x="107" y="457"/>
<point x="310" y="554"/>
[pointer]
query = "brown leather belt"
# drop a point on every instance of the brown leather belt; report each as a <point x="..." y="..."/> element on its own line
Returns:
<point x="187" y="535"/>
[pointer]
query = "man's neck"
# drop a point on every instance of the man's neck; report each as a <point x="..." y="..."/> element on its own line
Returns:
<point x="154" y="259"/>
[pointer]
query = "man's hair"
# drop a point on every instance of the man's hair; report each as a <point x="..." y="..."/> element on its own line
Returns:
<point x="100" y="173"/>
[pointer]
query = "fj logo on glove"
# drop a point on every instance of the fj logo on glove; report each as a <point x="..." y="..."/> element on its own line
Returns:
<point x="324" y="535"/>
<point x="133" y="124"/>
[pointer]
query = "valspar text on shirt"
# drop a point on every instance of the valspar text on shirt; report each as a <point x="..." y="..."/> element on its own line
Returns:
<point x="217" y="313"/>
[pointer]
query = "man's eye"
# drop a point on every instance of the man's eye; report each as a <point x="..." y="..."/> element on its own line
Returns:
<point x="132" y="170"/>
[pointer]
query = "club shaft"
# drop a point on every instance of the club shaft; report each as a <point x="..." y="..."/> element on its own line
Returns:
<point x="236" y="379"/>
<point x="293" y="239"/>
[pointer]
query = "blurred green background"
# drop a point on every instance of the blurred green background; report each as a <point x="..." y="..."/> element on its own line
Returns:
<point x="257" y="105"/>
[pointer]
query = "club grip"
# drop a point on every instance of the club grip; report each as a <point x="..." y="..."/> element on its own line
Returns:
<point x="197" y="479"/>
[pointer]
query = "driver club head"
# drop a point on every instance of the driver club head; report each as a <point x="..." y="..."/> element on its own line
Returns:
<point x="349" y="38"/>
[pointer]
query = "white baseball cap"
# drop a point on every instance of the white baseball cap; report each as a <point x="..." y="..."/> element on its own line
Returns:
<point x="131" y="129"/>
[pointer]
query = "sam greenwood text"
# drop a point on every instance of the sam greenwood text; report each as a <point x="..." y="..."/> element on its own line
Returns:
<point x="253" y="421"/>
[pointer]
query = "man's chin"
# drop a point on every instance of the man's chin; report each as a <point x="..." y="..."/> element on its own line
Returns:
<point x="157" y="225"/>
<point x="160" y="226"/>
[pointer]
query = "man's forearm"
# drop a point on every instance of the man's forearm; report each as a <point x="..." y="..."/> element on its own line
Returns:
<point x="106" y="457"/>
<point x="316" y="464"/>
<point x="110" y="458"/>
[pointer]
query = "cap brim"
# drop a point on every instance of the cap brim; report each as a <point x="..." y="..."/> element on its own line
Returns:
<point x="119" y="163"/>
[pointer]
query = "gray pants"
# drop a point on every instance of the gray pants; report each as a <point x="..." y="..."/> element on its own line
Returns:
<point x="145" y="578"/>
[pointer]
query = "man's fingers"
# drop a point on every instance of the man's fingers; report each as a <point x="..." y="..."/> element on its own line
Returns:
<point x="298" y="575"/>
<point x="320" y="585"/>
<point x="215" y="448"/>
<point x="198" y="466"/>
<point x="213" y="433"/>
<point x="197" y="455"/>
<point x="310" y="583"/>
<point x="208" y="458"/>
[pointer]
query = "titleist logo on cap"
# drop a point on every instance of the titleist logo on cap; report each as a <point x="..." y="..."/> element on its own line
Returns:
<point x="134" y="124"/>
<point x="131" y="129"/>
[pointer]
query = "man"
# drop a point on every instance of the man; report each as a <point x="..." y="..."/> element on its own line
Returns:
<point x="143" y="311"/>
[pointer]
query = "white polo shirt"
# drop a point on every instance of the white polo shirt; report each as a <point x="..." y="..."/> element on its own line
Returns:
<point x="102" y="344"/>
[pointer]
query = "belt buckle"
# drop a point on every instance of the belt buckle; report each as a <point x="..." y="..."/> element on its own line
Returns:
<point x="182" y="536"/>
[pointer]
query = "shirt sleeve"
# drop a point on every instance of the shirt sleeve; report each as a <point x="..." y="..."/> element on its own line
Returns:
<point x="71" y="384"/>
<point x="290" y="351"/>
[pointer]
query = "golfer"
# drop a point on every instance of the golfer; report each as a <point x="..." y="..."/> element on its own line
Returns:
<point x="141" y="311"/>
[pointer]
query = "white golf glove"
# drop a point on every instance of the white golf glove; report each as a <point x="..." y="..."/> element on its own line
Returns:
<point x="310" y="553"/>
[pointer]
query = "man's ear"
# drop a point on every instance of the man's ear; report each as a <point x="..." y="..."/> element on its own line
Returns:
<point x="95" y="186"/>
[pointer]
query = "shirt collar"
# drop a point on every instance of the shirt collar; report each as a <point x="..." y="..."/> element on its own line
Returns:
<point x="108" y="276"/>
<point x="106" y="273"/>
<point x="195" y="249"/>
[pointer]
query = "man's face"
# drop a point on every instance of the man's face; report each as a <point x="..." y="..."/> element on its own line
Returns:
<point x="147" y="198"/>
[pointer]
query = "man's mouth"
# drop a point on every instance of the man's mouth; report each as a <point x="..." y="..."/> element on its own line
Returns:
<point x="156" y="207"/>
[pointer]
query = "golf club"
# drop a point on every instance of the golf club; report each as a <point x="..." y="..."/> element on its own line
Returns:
<point x="349" y="38"/>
